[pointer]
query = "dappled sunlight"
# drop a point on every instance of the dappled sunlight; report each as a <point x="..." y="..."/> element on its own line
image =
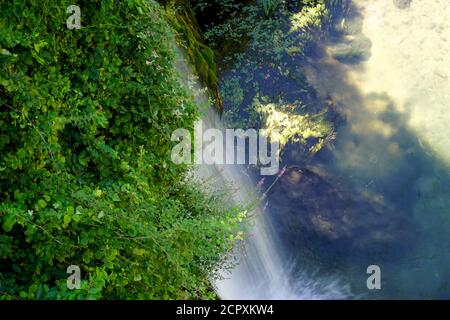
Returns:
<point x="308" y="17"/>
<point x="374" y="126"/>
<point x="290" y="127"/>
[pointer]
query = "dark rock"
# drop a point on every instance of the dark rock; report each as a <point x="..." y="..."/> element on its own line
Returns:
<point x="402" y="4"/>
<point x="310" y="202"/>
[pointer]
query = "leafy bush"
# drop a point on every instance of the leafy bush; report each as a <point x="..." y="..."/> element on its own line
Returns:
<point x="86" y="179"/>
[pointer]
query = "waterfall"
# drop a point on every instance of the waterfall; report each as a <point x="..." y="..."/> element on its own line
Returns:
<point x="261" y="271"/>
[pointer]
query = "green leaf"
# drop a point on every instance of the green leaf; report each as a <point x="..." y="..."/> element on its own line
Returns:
<point x="79" y="210"/>
<point x="5" y="52"/>
<point x="139" y="252"/>
<point x="137" y="277"/>
<point x="67" y="219"/>
<point x="42" y="203"/>
<point x="9" y="222"/>
<point x="83" y="158"/>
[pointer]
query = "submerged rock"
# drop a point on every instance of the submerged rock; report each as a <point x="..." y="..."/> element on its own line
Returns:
<point x="347" y="42"/>
<point x="352" y="50"/>
<point x="307" y="201"/>
<point x="402" y="4"/>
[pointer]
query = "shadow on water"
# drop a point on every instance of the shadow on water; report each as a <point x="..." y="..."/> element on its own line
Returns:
<point x="377" y="197"/>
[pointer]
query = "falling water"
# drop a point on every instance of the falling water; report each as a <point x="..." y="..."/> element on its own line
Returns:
<point x="260" y="271"/>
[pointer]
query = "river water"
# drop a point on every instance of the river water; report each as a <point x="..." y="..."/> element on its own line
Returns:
<point x="396" y="139"/>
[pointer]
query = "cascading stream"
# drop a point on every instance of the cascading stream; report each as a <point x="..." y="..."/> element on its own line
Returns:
<point x="261" y="271"/>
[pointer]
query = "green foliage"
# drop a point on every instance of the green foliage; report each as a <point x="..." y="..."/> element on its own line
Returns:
<point x="86" y="177"/>
<point x="266" y="65"/>
<point x="291" y="127"/>
<point x="233" y="92"/>
<point x="269" y="6"/>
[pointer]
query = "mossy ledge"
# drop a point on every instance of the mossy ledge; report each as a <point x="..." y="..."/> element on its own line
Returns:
<point x="181" y="17"/>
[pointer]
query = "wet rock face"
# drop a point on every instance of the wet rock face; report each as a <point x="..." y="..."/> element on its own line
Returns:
<point x="402" y="4"/>
<point x="306" y="201"/>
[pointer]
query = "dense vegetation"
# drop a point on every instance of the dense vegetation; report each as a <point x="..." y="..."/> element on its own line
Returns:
<point x="86" y="117"/>
<point x="262" y="47"/>
<point x="85" y="174"/>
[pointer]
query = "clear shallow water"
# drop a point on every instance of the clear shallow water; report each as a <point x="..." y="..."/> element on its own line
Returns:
<point x="396" y="140"/>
